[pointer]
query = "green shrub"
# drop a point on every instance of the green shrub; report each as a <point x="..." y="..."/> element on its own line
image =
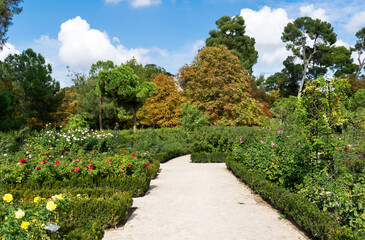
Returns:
<point x="209" y="157"/>
<point x="316" y="222"/>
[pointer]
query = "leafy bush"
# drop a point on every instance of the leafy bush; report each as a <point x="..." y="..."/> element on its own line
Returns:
<point x="209" y="157"/>
<point x="318" y="223"/>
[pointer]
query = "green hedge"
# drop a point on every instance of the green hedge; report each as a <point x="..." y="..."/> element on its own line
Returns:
<point x="316" y="222"/>
<point x="88" y="217"/>
<point x="163" y="157"/>
<point x="135" y="184"/>
<point x="89" y="214"/>
<point x="217" y="157"/>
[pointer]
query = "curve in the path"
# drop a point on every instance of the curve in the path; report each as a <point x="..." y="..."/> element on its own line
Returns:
<point x="201" y="202"/>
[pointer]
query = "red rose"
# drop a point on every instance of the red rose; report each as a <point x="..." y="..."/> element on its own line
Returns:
<point x="71" y="170"/>
<point x="146" y="164"/>
<point x="57" y="163"/>
<point x="356" y="153"/>
<point x="127" y="164"/>
<point x="22" y="160"/>
<point x="38" y="168"/>
<point x="63" y="149"/>
<point x="345" y="148"/>
<point x="122" y="167"/>
<point x="46" y="154"/>
<point x="133" y="155"/>
<point x="77" y="169"/>
<point x="44" y="161"/>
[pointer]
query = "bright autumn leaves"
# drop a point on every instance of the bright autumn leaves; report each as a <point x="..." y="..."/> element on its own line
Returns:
<point x="218" y="84"/>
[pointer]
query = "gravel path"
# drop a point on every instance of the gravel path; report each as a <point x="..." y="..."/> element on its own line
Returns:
<point x="201" y="202"/>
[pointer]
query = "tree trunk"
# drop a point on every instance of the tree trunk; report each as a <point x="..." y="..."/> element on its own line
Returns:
<point x="306" y="63"/>
<point x="134" y="119"/>
<point x="303" y="79"/>
<point x="361" y="65"/>
<point x="100" y="118"/>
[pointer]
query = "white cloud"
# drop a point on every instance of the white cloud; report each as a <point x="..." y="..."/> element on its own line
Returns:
<point x="340" y="42"/>
<point x="137" y="3"/>
<point x="113" y="1"/>
<point x="8" y="49"/>
<point x="356" y="22"/>
<point x="116" y="40"/>
<point x="266" y="26"/>
<point x="309" y="11"/>
<point x="82" y="46"/>
<point x="145" y="3"/>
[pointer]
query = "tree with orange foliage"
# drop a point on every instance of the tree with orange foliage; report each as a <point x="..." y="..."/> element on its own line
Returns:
<point x="218" y="84"/>
<point x="163" y="109"/>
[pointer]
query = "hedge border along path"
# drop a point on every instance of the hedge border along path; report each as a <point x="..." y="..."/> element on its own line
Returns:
<point x="201" y="201"/>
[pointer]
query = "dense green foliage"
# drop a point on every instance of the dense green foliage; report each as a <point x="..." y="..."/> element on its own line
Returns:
<point x="231" y="33"/>
<point x="7" y="10"/>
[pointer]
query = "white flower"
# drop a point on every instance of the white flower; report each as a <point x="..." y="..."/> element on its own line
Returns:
<point x="30" y="156"/>
<point x="5" y="154"/>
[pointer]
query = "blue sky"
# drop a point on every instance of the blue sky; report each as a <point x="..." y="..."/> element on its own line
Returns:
<point x="164" y="32"/>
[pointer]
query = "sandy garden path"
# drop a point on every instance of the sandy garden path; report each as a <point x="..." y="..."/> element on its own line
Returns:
<point x="201" y="202"/>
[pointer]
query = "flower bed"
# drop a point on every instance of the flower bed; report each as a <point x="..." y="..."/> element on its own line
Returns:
<point x="98" y="179"/>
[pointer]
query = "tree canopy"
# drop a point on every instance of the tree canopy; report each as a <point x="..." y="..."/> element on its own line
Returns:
<point x="360" y="48"/>
<point x="124" y="87"/>
<point x="38" y="94"/>
<point x="163" y="109"/>
<point x="305" y="37"/>
<point x="7" y="10"/>
<point x="231" y="33"/>
<point x="217" y="83"/>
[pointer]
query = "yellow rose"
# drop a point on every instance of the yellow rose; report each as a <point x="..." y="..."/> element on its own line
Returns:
<point x="25" y="225"/>
<point x="19" y="214"/>
<point x="60" y="197"/>
<point x="8" y="197"/>
<point x="51" y="206"/>
<point x="37" y="199"/>
<point x="6" y="218"/>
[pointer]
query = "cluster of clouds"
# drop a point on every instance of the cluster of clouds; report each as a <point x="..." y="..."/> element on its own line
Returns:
<point x="78" y="45"/>
<point x="271" y="22"/>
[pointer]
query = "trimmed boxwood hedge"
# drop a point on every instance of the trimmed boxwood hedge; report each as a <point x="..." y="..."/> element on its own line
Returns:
<point x="314" y="221"/>
<point x="169" y="154"/>
<point x="216" y="157"/>
<point x="136" y="184"/>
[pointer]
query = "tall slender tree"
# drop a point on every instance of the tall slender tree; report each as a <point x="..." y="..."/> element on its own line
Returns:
<point x="305" y="37"/>
<point x="360" y="48"/>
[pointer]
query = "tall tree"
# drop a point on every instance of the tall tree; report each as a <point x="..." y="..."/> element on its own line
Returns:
<point x="38" y="94"/>
<point x="94" y="71"/>
<point x="360" y="48"/>
<point x="163" y="109"/>
<point x="231" y="33"/>
<point x="124" y="88"/>
<point x="305" y="37"/>
<point x="7" y="10"/>
<point x="217" y="83"/>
